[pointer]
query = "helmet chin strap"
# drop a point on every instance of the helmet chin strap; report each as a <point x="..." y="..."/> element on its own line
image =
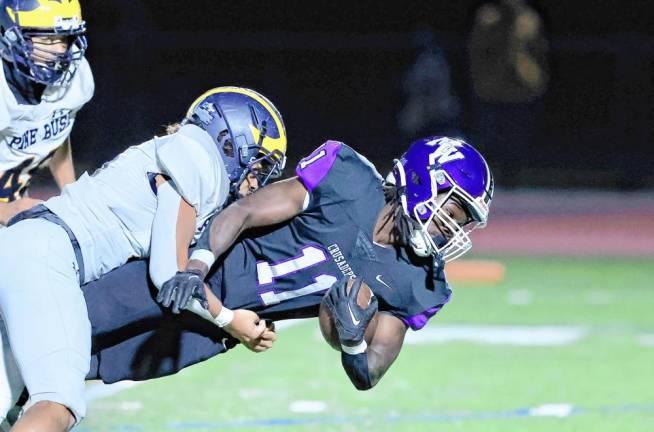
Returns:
<point x="419" y="243"/>
<point x="423" y="247"/>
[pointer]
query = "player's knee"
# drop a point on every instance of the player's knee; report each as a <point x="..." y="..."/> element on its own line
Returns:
<point x="46" y="414"/>
<point x="66" y="408"/>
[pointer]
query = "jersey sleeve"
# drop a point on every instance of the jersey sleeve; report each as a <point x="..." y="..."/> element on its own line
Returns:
<point x="193" y="163"/>
<point x="335" y="173"/>
<point x="86" y="84"/>
<point x="413" y="294"/>
<point x="84" y="88"/>
<point x="422" y="307"/>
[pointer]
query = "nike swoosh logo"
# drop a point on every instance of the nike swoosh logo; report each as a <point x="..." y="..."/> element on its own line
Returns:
<point x="379" y="279"/>
<point x="354" y="320"/>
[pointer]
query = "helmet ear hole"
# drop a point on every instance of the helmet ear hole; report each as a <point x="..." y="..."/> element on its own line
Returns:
<point x="228" y="148"/>
<point x="225" y="143"/>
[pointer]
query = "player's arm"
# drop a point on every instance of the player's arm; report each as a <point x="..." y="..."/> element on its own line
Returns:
<point x="271" y="205"/>
<point x="364" y="363"/>
<point x="366" y="368"/>
<point x="173" y="228"/>
<point x="61" y="164"/>
<point x="172" y="232"/>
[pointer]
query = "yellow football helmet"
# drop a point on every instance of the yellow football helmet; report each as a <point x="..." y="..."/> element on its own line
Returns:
<point x="247" y="129"/>
<point x="21" y="20"/>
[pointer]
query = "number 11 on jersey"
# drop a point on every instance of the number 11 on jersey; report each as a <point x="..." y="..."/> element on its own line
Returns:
<point x="308" y="257"/>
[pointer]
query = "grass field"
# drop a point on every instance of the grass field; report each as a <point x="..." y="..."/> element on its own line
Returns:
<point x="562" y="344"/>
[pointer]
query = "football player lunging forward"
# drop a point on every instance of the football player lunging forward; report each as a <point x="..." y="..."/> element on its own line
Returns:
<point x="44" y="81"/>
<point x="151" y="200"/>
<point x="335" y="220"/>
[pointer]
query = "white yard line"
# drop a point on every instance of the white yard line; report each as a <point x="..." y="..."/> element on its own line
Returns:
<point x="97" y="390"/>
<point x="498" y="335"/>
<point x="646" y="339"/>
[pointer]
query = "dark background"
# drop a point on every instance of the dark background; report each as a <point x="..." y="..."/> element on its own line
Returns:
<point x="334" y="70"/>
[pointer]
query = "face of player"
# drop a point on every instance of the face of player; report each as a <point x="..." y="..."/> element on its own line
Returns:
<point x="456" y="212"/>
<point x="46" y="49"/>
<point x="251" y="182"/>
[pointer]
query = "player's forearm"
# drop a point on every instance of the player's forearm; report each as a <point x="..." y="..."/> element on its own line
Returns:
<point x="215" y="305"/>
<point x="378" y="363"/>
<point x="172" y="231"/>
<point x="365" y="369"/>
<point x="369" y="367"/>
<point x="356" y="368"/>
<point x="227" y="227"/>
<point x="61" y="165"/>
<point x="223" y="231"/>
<point x="271" y="205"/>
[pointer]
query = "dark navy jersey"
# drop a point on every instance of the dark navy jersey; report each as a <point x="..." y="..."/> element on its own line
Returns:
<point x="280" y="272"/>
<point x="284" y="271"/>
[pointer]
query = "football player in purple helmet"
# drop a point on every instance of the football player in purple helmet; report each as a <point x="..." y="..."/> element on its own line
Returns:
<point x="395" y="233"/>
<point x="436" y="180"/>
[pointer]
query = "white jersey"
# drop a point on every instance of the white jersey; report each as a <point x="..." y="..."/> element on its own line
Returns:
<point x="29" y="134"/>
<point x="111" y="212"/>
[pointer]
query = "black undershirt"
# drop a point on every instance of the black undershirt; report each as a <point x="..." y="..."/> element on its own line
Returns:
<point x="26" y="91"/>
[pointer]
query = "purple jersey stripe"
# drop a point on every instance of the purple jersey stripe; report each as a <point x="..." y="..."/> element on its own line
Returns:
<point x="313" y="168"/>
<point x="416" y="322"/>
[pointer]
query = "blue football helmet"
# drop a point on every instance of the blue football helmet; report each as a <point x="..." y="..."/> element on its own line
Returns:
<point x="22" y="20"/>
<point x="247" y="129"/>
<point x="432" y="171"/>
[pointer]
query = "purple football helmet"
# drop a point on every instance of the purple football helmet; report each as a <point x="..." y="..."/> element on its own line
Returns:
<point x="435" y="166"/>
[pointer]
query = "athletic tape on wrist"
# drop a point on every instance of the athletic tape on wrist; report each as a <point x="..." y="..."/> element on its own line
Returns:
<point x="225" y="316"/>
<point x="194" y="306"/>
<point x="204" y="255"/>
<point x="354" y="350"/>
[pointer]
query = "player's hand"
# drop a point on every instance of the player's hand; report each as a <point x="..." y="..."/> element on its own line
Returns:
<point x="11" y="209"/>
<point x="265" y="342"/>
<point x="251" y="331"/>
<point x="179" y="289"/>
<point x="350" y="319"/>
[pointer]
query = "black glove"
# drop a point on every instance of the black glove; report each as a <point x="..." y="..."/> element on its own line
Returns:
<point x="180" y="288"/>
<point x="349" y="318"/>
